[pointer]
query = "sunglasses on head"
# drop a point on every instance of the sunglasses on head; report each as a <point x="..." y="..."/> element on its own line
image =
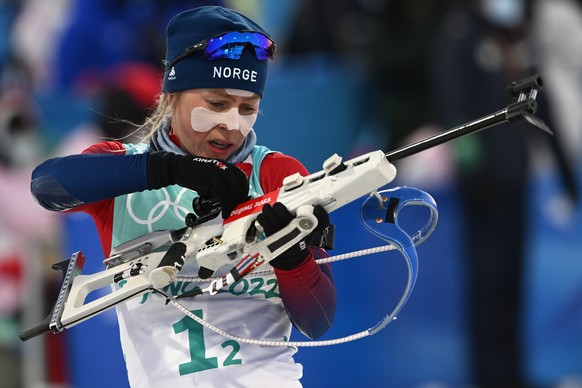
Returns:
<point x="230" y="45"/>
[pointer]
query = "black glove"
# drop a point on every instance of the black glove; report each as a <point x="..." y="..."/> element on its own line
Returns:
<point x="276" y="217"/>
<point x="211" y="178"/>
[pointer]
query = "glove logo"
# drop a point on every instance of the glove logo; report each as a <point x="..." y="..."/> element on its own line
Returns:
<point x="218" y="163"/>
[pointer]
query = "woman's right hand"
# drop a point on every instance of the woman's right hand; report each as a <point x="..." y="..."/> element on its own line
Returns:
<point x="209" y="177"/>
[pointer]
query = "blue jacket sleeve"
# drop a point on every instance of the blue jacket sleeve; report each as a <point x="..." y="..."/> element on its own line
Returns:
<point x="66" y="182"/>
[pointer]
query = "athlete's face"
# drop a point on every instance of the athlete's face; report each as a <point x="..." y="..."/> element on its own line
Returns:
<point x="213" y="123"/>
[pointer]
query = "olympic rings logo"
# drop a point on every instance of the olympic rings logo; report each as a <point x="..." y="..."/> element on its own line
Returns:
<point x="159" y="210"/>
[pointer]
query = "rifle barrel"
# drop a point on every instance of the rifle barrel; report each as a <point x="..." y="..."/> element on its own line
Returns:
<point x="451" y="134"/>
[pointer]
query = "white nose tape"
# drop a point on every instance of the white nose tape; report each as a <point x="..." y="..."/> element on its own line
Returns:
<point x="203" y="120"/>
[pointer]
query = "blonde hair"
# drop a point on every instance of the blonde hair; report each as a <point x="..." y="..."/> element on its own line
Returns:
<point x="162" y="109"/>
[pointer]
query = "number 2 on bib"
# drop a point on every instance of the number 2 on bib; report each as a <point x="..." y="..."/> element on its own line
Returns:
<point x="198" y="360"/>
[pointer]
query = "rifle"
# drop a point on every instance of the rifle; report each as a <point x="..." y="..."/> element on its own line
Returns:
<point x="238" y="241"/>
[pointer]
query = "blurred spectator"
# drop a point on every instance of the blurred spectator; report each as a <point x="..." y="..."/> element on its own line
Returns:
<point x="25" y="232"/>
<point x="398" y="50"/>
<point x="560" y="61"/>
<point x="103" y="33"/>
<point x="35" y="35"/>
<point x="125" y="94"/>
<point x="481" y="48"/>
<point x="387" y="43"/>
<point x="66" y="43"/>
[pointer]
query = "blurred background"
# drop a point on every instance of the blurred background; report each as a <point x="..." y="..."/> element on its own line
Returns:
<point x="498" y="301"/>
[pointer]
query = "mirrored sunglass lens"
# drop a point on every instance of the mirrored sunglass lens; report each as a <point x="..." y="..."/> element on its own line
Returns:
<point x="230" y="45"/>
<point x="264" y="47"/>
<point x="231" y="51"/>
<point x="263" y="54"/>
